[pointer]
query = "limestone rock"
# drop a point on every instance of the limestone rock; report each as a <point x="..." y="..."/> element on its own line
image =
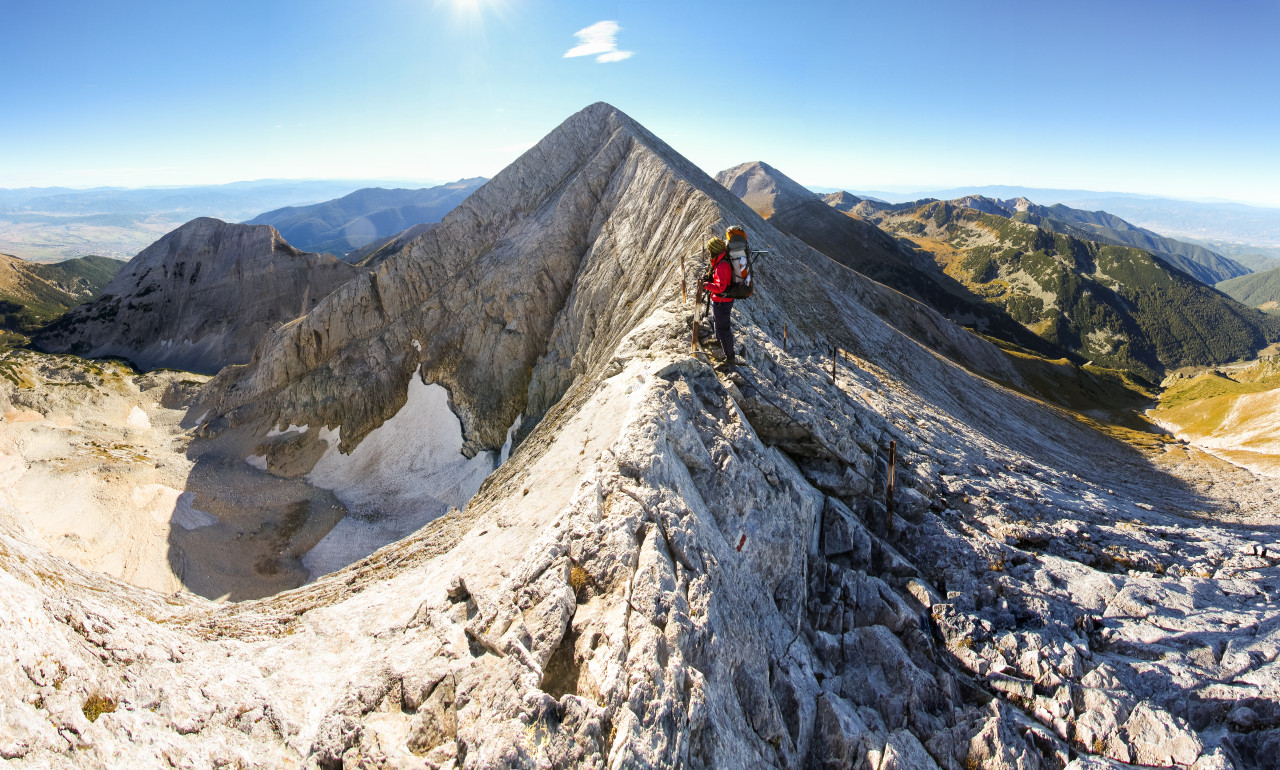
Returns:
<point x="647" y="579"/>
<point x="199" y="298"/>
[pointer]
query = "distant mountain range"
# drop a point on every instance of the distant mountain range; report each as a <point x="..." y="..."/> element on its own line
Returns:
<point x="1118" y="306"/>
<point x="1200" y="263"/>
<point x="1207" y="222"/>
<point x="53" y="223"/>
<point x="861" y="246"/>
<point x="356" y="220"/>
<point x="1070" y="278"/>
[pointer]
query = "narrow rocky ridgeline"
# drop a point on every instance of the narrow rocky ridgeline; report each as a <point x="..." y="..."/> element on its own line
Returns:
<point x="199" y="298"/>
<point x="674" y="569"/>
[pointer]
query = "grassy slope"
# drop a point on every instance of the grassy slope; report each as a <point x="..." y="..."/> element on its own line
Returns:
<point x="1113" y="305"/>
<point x="1260" y="290"/>
<point x="1234" y="413"/>
<point x="32" y="295"/>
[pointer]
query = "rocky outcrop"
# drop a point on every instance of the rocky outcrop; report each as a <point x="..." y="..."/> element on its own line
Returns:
<point x="198" y="299"/>
<point x="673" y="568"/>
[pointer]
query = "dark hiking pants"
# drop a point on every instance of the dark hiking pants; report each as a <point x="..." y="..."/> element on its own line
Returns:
<point x="720" y="319"/>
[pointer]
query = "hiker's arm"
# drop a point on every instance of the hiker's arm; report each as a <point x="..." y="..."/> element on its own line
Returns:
<point x="723" y="277"/>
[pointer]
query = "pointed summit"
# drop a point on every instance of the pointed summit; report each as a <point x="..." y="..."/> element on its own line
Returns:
<point x="764" y="188"/>
<point x="842" y="201"/>
<point x="501" y="302"/>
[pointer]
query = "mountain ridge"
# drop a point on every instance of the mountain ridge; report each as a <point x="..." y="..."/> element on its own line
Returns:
<point x="34" y="294"/>
<point x="198" y="298"/>
<point x="853" y="551"/>
<point x="353" y="221"/>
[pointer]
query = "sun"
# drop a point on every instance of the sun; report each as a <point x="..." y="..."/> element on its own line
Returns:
<point x="471" y="12"/>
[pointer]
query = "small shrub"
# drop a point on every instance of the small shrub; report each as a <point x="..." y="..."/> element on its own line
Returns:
<point x="578" y="581"/>
<point x="96" y="706"/>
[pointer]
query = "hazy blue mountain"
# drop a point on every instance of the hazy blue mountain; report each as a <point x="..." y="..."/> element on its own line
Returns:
<point x="236" y="200"/>
<point x="353" y="221"/>
<point x="1207" y="222"/>
<point x="51" y="223"/>
<point x="1256" y="257"/>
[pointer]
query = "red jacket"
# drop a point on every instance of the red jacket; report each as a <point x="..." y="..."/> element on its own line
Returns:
<point x="721" y="278"/>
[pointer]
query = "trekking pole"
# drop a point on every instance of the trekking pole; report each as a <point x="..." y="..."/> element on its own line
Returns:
<point x="784" y="337"/>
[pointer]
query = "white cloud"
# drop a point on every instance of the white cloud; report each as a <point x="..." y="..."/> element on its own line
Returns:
<point x="599" y="40"/>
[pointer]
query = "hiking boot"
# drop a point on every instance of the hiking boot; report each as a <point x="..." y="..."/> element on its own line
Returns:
<point x="727" y="365"/>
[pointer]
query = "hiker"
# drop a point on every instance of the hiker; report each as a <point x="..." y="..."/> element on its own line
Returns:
<point x="717" y="282"/>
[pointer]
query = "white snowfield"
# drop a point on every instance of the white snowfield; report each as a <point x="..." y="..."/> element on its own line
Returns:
<point x="404" y="474"/>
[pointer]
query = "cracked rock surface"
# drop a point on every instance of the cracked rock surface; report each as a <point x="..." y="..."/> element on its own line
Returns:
<point x="908" y="567"/>
<point x="199" y="298"/>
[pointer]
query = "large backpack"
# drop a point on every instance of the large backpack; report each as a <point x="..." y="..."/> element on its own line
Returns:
<point x="739" y="256"/>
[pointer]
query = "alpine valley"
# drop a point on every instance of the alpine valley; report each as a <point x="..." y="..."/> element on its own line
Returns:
<point x="993" y="487"/>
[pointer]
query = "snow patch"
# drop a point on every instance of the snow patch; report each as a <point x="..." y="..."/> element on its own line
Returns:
<point x="291" y="429"/>
<point x="257" y="461"/>
<point x="511" y="437"/>
<point x="138" y="419"/>
<point x="407" y="472"/>
<point x="417" y="346"/>
<point x="188" y="517"/>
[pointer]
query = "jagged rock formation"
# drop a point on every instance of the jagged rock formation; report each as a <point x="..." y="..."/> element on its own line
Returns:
<point x="672" y="569"/>
<point x="354" y="221"/>
<point x="199" y="298"/>
<point x="862" y="246"/>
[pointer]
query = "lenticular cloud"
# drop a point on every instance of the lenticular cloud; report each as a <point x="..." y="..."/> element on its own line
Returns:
<point x="599" y="40"/>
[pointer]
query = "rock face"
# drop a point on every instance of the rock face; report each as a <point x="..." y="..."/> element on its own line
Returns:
<point x="673" y="569"/>
<point x="199" y="298"/>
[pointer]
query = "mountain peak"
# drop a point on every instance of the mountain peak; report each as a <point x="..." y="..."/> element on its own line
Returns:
<point x="764" y="188"/>
<point x="842" y="201"/>
<point x="199" y="298"/>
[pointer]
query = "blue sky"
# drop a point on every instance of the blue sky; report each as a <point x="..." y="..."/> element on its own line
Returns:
<point x="1171" y="98"/>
